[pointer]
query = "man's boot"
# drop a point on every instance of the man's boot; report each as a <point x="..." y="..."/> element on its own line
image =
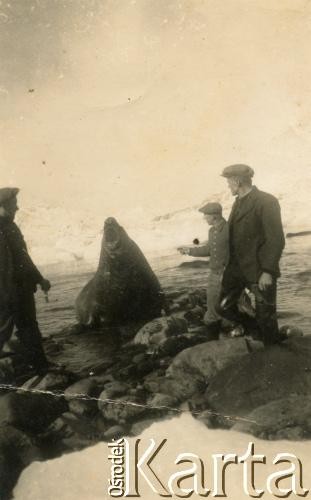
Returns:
<point x="31" y="341"/>
<point x="213" y="330"/>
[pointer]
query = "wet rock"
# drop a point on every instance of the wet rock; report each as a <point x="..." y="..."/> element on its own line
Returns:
<point x="116" y="432"/>
<point x="153" y="383"/>
<point x="176" y="294"/>
<point x="174" y="307"/>
<point x="137" y="371"/>
<point x="177" y="325"/>
<point x="83" y="406"/>
<point x="287" y="418"/>
<point x="127" y="372"/>
<point x="139" y="358"/>
<point x="59" y="429"/>
<point x="157" y="331"/>
<point x="164" y="363"/>
<point x="102" y="380"/>
<point x="76" y="442"/>
<point x="195" y="315"/>
<point x="100" y="425"/>
<point x="80" y="429"/>
<point x="30" y="412"/>
<point x="174" y="345"/>
<point x="164" y="385"/>
<point x="112" y="390"/>
<point x="97" y="370"/>
<point x="262" y="377"/>
<point x="52" y="347"/>
<point x="152" y="332"/>
<point x="69" y="417"/>
<point x="198" y="330"/>
<point x="50" y="382"/>
<point x="160" y="401"/>
<point x="194" y="367"/>
<point x="123" y="367"/>
<point x="122" y="410"/>
<point x="7" y="370"/>
<point x="58" y="426"/>
<point x="291" y="331"/>
<point x="16" y="453"/>
<point x="198" y="297"/>
<point x="31" y="383"/>
<point x="89" y="388"/>
<point x="195" y="264"/>
<point x="183" y="301"/>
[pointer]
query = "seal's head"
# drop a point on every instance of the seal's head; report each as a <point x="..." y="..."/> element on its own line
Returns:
<point x="113" y="234"/>
<point x="8" y="202"/>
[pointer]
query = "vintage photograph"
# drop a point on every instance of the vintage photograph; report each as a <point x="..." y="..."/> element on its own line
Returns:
<point x="155" y="244"/>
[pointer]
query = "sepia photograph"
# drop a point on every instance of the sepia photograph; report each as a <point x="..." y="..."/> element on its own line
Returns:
<point x="155" y="248"/>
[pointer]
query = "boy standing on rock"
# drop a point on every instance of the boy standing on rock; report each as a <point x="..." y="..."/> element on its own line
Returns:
<point x="217" y="248"/>
<point x="19" y="278"/>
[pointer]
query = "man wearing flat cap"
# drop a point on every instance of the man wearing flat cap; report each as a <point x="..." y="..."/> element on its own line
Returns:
<point x="19" y="278"/>
<point x="256" y="242"/>
<point x="217" y="249"/>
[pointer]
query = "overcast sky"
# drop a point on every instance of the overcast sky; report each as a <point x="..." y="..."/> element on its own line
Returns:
<point x="117" y="104"/>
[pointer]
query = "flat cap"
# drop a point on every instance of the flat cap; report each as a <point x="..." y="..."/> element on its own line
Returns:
<point x="238" y="170"/>
<point x="211" y="208"/>
<point x="7" y="193"/>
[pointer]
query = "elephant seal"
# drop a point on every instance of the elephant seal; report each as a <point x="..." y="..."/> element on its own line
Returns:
<point x="124" y="288"/>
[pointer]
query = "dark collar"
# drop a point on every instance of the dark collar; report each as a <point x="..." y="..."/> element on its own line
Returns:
<point x="220" y="225"/>
<point x="243" y="205"/>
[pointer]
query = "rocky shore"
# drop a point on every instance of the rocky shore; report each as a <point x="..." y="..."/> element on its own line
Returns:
<point x="135" y="375"/>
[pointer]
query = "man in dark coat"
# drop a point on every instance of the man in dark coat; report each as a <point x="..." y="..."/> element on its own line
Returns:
<point x="256" y="242"/>
<point x="19" y="278"/>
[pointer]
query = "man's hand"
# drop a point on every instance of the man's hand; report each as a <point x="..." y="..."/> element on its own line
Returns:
<point x="184" y="250"/>
<point x="265" y="281"/>
<point x="45" y="285"/>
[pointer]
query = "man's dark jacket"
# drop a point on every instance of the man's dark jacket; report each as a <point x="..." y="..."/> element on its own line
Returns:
<point x="256" y="235"/>
<point x="17" y="271"/>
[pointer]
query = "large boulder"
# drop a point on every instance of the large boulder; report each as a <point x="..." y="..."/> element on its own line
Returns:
<point x="160" y="401"/>
<point x="115" y="432"/>
<point x="16" y="453"/>
<point x="112" y="390"/>
<point x="193" y="368"/>
<point x="86" y="396"/>
<point x="123" y="410"/>
<point x="260" y="378"/>
<point x="156" y="332"/>
<point x="163" y="384"/>
<point x="50" y="382"/>
<point x="86" y="387"/>
<point x="7" y="371"/>
<point x="30" y="412"/>
<point x="83" y="407"/>
<point x="288" y="418"/>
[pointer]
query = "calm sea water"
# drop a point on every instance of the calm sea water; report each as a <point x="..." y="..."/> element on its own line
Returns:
<point x="294" y="298"/>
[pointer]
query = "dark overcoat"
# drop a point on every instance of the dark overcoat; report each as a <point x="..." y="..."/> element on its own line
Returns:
<point x="18" y="274"/>
<point x="7" y="289"/>
<point x="256" y="235"/>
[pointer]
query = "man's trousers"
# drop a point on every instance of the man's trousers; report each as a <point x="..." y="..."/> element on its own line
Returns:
<point x="264" y="326"/>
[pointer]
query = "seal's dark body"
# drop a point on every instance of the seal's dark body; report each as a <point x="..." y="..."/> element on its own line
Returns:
<point x="124" y="288"/>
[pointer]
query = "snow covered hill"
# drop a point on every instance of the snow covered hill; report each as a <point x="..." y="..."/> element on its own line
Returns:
<point x="59" y="236"/>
